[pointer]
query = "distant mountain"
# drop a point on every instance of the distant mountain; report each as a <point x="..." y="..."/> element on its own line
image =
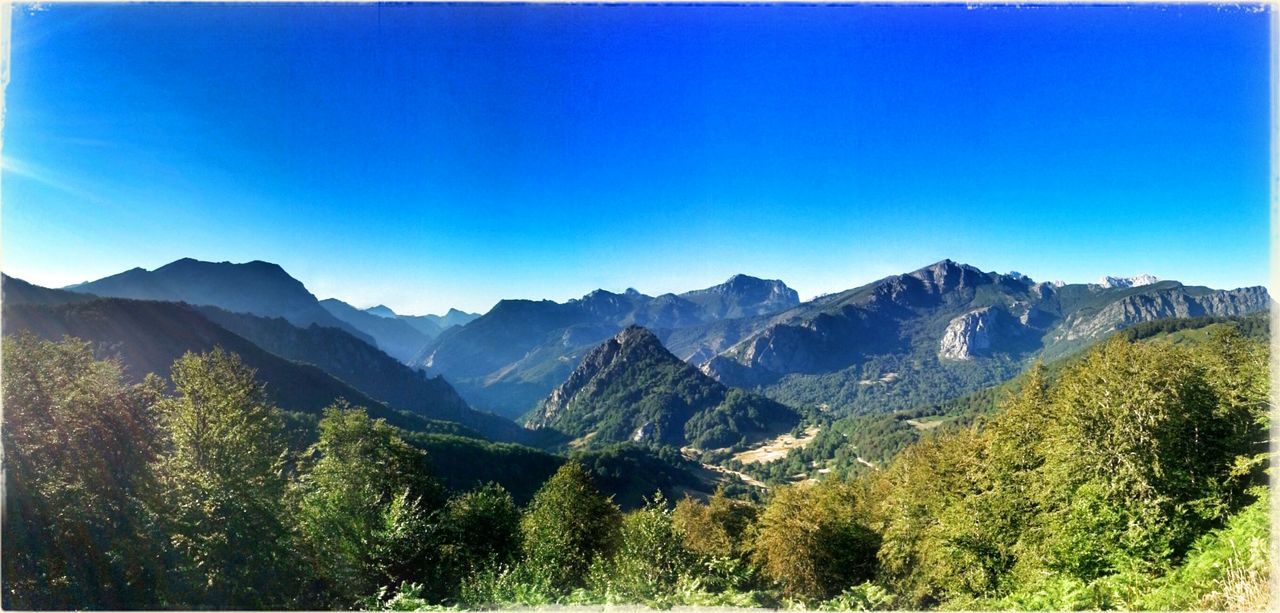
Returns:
<point x="940" y="331"/>
<point x="429" y="325"/>
<point x="1138" y="281"/>
<point x="381" y="310"/>
<point x="450" y="319"/>
<point x="397" y="338"/>
<point x="630" y="388"/>
<point x="258" y="288"/>
<point x="509" y="358"/>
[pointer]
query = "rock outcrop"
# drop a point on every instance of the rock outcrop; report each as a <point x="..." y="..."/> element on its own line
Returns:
<point x="968" y="335"/>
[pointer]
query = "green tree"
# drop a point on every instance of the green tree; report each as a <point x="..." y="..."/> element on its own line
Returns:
<point x="224" y="484"/>
<point x="364" y="506"/>
<point x="716" y="529"/>
<point x="814" y="541"/>
<point x="485" y="525"/>
<point x="567" y="526"/>
<point x="78" y="443"/>
<point x="649" y="559"/>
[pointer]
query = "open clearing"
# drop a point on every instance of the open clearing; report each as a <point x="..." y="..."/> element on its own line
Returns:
<point x="776" y="448"/>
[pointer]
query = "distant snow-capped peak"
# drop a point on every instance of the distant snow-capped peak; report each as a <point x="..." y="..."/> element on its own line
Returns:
<point x="1135" y="281"/>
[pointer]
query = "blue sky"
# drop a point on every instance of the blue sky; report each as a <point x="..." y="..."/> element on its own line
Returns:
<point x="435" y="156"/>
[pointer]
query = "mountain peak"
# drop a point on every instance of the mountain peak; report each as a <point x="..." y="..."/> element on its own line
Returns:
<point x="381" y="310"/>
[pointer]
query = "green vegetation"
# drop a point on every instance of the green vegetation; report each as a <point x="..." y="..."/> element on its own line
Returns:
<point x="632" y="388"/>
<point x="1132" y="477"/>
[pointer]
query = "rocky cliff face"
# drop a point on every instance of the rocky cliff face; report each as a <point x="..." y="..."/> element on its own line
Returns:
<point x="1175" y="302"/>
<point x="968" y="335"/>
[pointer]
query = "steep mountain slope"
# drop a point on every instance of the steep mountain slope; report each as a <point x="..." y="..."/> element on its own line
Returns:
<point x="631" y="388"/>
<point x="941" y="331"/>
<point x="259" y="288"/>
<point x="397" y="338"/>
<point x="512" y="356"/>
<point x="367" y="369"/>
<point x="326" y="363"/>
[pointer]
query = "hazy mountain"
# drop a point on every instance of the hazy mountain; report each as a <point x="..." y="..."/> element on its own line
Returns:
<point x="509" y="358"/>
<point x="631" y="388"/>
<point x="450" y="319"/>
<point x="256" y="287"/>
<point x="381" y="310"/>
<point x="397" y="338"/>
<point x="429" y="325"/>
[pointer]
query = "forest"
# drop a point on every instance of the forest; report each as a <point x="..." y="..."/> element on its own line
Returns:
<point x="1133" y="478"/>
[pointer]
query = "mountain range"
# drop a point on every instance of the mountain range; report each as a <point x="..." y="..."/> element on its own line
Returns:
<point x="511" y="357"/>
<point x="575" y="367"/>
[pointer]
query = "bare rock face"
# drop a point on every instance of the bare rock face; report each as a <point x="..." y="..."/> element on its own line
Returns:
<point x="969" y="335"/>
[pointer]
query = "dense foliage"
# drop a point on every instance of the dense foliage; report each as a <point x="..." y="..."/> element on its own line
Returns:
<point x="1132" y="477"/>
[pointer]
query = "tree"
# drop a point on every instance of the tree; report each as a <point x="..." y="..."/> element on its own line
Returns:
<point x="485" y="526"/>
<point x="224" y="484"/>
<point x="717" y="528"/>
<point x="568" y="525"/>
<point x="364" y="506"/>
<point x="814" y="540"/>
<point x="78" y="443"/>
<point x="649" y="559"/>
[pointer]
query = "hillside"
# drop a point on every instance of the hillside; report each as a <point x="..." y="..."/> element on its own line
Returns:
<point x="630" y="388"/>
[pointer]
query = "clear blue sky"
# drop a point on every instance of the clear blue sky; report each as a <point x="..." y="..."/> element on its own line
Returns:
<point x="437" y="156"/>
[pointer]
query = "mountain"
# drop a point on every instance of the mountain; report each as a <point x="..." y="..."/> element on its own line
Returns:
<point x="257" y="287"/>
<point x="941" y="331"/>
<point x="381" y="310"/>
<point x="743" y="296"/>
<point x="429" y="325"/>
<point x="514" y="355"/>
<point x="452" y="318"/>
<point x="397" y="338"/>
<point x="305" y="369"/>
<point x="630" y="388"/>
